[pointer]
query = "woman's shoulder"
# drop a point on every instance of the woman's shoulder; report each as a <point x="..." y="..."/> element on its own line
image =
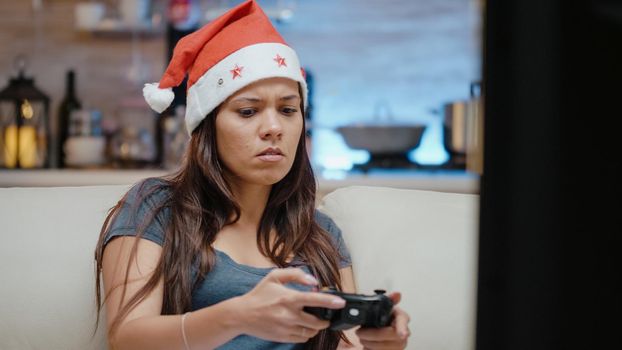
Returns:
<point x="151" y="183"/>
<point x="142" y="208"/>
<point x="326" y="222"/>
<point x="151" y="189"/>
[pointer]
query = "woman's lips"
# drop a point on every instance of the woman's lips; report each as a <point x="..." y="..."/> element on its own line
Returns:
<point x="271" y="157"/>
<point x="271" y="154"/>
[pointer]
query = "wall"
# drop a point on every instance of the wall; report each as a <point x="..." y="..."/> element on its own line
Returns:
<point x="413" y="55"/>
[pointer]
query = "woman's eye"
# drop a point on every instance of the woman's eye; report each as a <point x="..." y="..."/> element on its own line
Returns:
<point x="289" y="110"/>
<point x="246" y="112"/>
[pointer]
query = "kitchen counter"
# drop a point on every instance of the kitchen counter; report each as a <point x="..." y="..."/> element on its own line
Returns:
<point x="443" y="181"/>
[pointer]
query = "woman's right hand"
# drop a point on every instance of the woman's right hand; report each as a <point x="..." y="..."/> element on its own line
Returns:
<point x="273" y="311"/>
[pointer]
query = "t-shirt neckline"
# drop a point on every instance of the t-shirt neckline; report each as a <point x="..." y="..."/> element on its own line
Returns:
<point x="252" y="269"/>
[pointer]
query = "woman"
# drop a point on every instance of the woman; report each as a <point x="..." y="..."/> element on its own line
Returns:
<point x="229" y="250"/>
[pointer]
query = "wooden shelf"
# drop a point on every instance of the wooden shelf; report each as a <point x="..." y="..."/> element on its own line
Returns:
<point x="116" y="28"/>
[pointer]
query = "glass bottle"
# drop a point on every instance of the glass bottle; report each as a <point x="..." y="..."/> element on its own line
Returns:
<point x="69" y="104"/>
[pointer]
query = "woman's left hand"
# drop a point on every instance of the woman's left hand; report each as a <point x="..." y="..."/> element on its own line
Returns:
<point x="392" y="337"/>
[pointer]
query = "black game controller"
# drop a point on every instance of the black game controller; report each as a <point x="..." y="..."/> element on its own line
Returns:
<point x="373" y="311"/>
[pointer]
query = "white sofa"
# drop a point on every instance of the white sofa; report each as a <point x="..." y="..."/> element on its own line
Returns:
<point x="421" y="243"/>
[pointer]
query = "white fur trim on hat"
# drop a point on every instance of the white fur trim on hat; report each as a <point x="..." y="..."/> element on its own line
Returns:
<point x="256" y="61"/>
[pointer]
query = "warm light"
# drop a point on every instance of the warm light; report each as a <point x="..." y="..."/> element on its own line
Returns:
<point x="27" y="139"/>
<point x="27" y="111"/>
<point x="10" y="146"/>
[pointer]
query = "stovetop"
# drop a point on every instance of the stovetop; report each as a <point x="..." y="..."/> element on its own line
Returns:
<point x="402" y="162"/>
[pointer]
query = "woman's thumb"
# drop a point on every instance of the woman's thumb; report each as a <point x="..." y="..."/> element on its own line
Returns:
<point x="395" y="297"/>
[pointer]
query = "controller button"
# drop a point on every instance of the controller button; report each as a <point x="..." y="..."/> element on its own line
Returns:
<point x="353" y="312"/>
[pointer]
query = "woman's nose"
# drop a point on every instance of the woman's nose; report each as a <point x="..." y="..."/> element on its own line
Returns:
<point x="271" y="126"/>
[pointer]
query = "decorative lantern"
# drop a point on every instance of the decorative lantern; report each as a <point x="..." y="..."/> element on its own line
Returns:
<point x="24" y="123"/>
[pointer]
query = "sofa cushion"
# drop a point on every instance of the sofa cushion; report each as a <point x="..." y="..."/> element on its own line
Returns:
<point x="421" y="243"/>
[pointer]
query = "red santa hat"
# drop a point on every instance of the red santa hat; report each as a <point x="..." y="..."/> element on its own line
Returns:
<point x="236" y="49"/>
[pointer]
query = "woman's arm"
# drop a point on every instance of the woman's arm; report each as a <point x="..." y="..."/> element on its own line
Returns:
<point x="270" y="311"/>
<point x="144" y="327"/>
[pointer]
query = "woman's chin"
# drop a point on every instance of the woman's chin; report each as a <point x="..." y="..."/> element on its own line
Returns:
<point x="264" y="177"/>
<point x="272" y="180"/>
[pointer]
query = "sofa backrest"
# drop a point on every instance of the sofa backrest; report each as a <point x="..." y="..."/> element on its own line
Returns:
<point x="421" y="243"/>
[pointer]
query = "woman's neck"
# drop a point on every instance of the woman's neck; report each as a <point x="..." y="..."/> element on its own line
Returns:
<point x="252" y="200"/>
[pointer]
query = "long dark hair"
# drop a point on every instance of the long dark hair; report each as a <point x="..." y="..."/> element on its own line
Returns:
<point x="201" y="204"/>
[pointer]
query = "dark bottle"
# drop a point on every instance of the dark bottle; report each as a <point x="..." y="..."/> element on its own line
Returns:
<point x="69" y="104"/>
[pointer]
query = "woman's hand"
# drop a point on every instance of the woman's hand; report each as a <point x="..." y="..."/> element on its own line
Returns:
<point x="274" y="312"/>
<point x="392" y="337"/>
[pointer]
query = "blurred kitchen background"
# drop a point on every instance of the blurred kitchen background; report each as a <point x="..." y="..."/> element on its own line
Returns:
<point x="394" y="88"/>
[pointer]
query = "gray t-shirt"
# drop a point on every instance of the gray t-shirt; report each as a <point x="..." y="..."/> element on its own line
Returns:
<point x="227" y="278"/>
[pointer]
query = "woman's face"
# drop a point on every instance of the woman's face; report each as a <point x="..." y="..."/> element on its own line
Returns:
<point x="258" y="130"/>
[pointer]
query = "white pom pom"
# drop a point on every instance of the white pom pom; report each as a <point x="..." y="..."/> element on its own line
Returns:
<point x="158" y="99"/>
